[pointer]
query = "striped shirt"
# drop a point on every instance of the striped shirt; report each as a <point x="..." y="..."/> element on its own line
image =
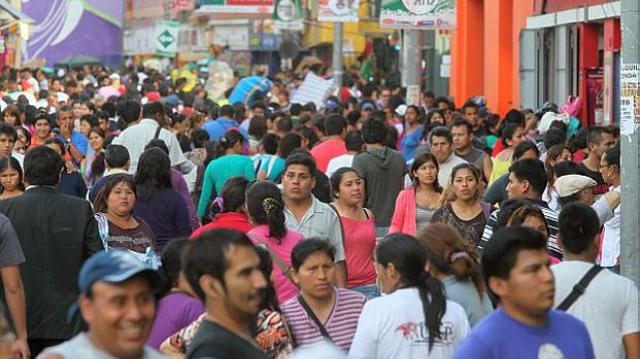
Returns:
<point x="550" y="216"/>
<point x="341" y="324"/>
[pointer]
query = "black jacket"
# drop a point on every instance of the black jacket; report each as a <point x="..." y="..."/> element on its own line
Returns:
<point x="57" y="234"/>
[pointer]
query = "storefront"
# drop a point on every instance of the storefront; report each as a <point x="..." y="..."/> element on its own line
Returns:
<point x="570" y="49"/>
<point x="14" y="27"/>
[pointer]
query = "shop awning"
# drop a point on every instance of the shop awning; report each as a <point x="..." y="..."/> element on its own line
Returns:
<point x="10" y="14"/>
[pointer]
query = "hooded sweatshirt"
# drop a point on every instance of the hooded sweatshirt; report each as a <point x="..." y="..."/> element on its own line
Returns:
<point x="383" y="170"/>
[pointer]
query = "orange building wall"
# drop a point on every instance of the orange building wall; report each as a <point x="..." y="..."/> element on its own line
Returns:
<point x="490" y="29"/>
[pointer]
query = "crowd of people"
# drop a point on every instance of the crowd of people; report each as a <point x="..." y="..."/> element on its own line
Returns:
<point x="141" y="219"/>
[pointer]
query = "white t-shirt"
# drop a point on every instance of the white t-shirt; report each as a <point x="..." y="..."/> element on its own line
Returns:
<point x="611" y="238"/>
<point x="338" y="162"/>
<point x="609" y="306"/>
<point x="444" y="174"/>
<point x="393" y="327"/>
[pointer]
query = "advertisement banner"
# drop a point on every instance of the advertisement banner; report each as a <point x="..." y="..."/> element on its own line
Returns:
<point x="287" y="15"/>
<point x="338" y="10"/>
<point x="166" y="37"/>
<point x="418" y="14"/>
<point x="65" y="28"/>
<point x="629" y="98"/>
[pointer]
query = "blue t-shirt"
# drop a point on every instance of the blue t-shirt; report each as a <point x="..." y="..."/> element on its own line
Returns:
<point x="276" y="168"/>
<point x="219" y="127"/>
<point x="410" y="142"/>
<point x="500" y="336"/>
<point x="79" y="140"/>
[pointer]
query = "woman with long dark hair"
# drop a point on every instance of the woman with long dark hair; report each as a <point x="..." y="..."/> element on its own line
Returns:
<point x="415" y="205"/>
<point x="359" y="230"/>
<point x="413" y="319"/>
<point x="158" y="203"/>
<point x="456" y="264"/>
<point x="465" y="212"/>
<point x="92" y="167"/>
<point x="228" y="162"/>
<point x="412" y="133"/>
<point x="512" y="135"/>
<point x="228" y="210"/>
<point x="265" y="208"/>
<point x="11" y="178"/>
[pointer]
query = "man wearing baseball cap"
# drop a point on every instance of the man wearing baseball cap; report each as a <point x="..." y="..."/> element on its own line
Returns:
<point x="118" y="302"/>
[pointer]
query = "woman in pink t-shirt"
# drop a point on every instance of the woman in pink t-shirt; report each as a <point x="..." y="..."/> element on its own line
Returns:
<point x="359" y="230"/>
<point x="266" y="212"/>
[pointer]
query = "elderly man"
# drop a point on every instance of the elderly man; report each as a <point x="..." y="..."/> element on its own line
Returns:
<point x="578" y="188"/>
<point x="117" y="300"/>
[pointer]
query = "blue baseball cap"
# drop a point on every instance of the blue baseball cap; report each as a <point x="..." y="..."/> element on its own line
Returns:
<point x="115" y="266"/>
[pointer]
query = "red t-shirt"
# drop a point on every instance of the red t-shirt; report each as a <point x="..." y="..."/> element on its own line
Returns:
<point x="359" y="243"/>
<point x="326" y="151"/>
<point x="229" y="220"/>
<point x="499" y="147"/>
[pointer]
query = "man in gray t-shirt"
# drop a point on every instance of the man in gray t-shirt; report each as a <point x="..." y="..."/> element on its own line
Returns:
<point x="462" y="132"/>
<point x="11" y="257"/>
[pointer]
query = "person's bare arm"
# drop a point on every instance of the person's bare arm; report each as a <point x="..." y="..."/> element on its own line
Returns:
<point x="632" y="345"/>
<point x="487" y="167"/>
<point x="65" y="131"/>
<point x="14" y="294"/>
<point x="341" y="274"/>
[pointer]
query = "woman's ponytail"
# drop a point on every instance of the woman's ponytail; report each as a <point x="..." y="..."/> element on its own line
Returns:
<point x="434" y="305"/>
<point x="274" y="216"/>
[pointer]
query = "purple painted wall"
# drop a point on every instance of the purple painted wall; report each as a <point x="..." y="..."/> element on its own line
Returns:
<point x="75" y="27"/>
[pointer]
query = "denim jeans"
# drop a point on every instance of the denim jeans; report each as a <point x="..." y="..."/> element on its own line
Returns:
<point x="370" y="291"/>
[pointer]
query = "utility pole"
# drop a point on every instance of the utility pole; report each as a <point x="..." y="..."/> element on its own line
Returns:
<point x="337" y="54"/>
<point x="412" y="63"/>
<point x="630" y="219"/>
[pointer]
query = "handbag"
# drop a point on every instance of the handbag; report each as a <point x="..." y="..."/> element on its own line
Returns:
<point x="149" y="257"/>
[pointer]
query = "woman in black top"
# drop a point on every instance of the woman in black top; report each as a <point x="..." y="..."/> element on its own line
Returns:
<point x="465" y="212"/>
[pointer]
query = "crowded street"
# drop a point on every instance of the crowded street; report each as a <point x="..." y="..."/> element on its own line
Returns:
<point x="278" y="179"/>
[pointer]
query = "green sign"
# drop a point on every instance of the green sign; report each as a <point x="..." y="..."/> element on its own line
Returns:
<point x="287" y="15"/>
<point x="166" y="37"/>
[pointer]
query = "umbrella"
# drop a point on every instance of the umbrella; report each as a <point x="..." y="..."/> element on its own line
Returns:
<point x="78" y="60"/>
<point x="247" y="89"/>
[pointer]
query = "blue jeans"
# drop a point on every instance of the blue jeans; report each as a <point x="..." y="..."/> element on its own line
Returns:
<point x="370" y="291"/>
